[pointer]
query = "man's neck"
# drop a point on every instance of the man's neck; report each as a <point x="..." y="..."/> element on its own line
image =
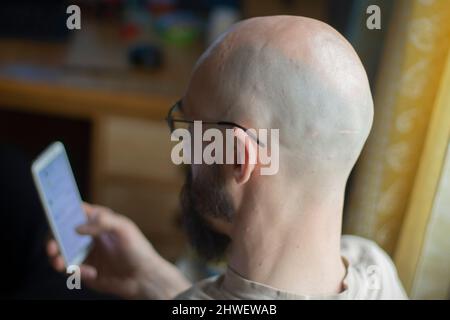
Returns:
<point x="294" y="248"/>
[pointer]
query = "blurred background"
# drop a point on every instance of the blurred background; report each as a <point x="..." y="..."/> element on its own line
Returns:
<point x="105" y="89"/>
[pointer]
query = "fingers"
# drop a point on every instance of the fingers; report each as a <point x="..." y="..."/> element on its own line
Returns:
<point x="91" y="229"/>
<point x="90" y="210"/>
<point x="100" y="220"/>
<point x="58" y="263"/>
<point x="56" y="260"/>
<point x="93" y="211"/>
<point x="52" y="248"/>
<point x="88" y="273"/>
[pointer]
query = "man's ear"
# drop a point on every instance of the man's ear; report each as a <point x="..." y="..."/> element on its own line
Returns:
<point x="246" y="156"/>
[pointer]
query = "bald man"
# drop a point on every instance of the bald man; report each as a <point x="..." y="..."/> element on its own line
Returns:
<point x="280" y="233"/>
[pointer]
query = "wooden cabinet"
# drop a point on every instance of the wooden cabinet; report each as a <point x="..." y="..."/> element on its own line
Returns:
<point x="133" y="174"/>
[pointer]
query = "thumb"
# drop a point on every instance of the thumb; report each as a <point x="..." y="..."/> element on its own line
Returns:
<point x="88" y="274"/>
<point x="90" y="229"/>
<point x="98" y="223"/>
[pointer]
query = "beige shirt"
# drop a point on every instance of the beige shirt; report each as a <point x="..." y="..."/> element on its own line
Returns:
<point x="370" y="275"/>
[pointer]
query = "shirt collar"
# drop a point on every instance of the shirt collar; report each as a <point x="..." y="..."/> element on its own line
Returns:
<point x="242" y="288"/>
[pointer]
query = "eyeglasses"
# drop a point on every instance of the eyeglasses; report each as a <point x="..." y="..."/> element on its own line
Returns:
<point x="178" y="123"/>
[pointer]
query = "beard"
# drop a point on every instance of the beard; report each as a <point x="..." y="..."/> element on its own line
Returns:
<point x="206" y="197"/>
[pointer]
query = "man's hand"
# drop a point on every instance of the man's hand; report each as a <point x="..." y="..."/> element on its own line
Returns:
<point x="122" y="261"/>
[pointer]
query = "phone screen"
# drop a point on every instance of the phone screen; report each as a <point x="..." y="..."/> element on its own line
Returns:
<point x="64" y="206"/>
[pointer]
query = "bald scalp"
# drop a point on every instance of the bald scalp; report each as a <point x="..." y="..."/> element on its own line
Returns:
<point x="295" y="74"/>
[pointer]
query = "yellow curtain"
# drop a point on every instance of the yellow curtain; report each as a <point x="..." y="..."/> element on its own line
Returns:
<point x="410" y="80"/>
<point x="423" y="251"/>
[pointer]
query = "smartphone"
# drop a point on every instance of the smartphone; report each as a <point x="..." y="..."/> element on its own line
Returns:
<point x="62" y="203"/>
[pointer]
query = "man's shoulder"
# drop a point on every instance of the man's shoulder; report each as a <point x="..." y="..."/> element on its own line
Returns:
<point x="362" y="251"/>
<point x="373" y="266"/>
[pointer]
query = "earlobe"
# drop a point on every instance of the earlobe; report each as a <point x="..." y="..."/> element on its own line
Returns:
<point x="246" y="156"/>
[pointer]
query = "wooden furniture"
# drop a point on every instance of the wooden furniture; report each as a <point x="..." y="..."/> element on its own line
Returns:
<point x="88" y="78"/>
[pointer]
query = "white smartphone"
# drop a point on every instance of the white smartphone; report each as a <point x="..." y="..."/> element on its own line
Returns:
<point x="62" y="203"/>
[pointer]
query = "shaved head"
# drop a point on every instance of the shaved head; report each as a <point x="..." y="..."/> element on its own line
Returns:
<point x="295" y="74"/>
<point x="300" y="76"/>
<point x="280" y="233"/>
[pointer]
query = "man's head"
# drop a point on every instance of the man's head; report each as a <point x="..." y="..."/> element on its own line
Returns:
<point x="294" y="74"/>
